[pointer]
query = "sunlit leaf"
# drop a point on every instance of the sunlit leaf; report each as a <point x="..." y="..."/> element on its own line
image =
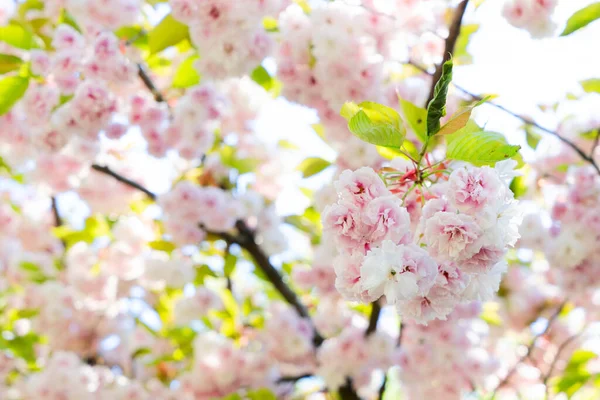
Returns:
<point x="481" y="148"/>
<point x="186" y="74"/>
<point x="167" y="33"/>
<point x="312" y="166"/>
<point x="11" y="91"/>
<point x="582" y="18"/>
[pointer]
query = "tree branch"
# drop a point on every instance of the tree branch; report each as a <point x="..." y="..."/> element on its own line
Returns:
<point x="128" y="182"/>
<point x="150" y="84"/>
<point x="246" y="240"/>
<point x="347" y="392"/>
<point x="57" y="219"/>
<point x="589" y="159"/>
<point x="453" y="34"/>
<point x="561" y="348"/>
<point x="530" y="348"/>
<point x="373" y="318"/>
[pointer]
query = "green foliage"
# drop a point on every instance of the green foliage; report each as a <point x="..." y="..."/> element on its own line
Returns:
<point x="309" y="222"/>
<point x="186" y="74"/>
<point x="202" y="271"/>
<point x="230" y="264"/>
<point x="375" y="123"/>
<point x="518" y="186"/>
<point x="262" y="77"/>
<point x="393" y="389"/>
<point x="167" y="33"/>
<point x="582" y="18"/>
<point x="162" y="245"/>
<point x="436" y="108"/>
<point x="270" y="24"/>
<point x="416" y="118"/>
<point x="312" y="166"/>
<point x="533" y="138"/>
<point x="261" y="394"/>
<point x="591" y="85"/>
<point x="9" y="63"/>
<point x="18" y="36"/>
<point x="460" y="119"/>
<point x="576" y="373"/>
<point x="11" y="90"/>
<point x="242" y="165"/>
<point x="95" y="226"/>
<point x="481" y="148"/>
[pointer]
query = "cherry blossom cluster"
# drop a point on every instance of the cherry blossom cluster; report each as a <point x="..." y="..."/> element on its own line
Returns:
<point x="94" y="16"/>
<point x="533" y="15"/>
<point x="571" y="246"/>
<point x="354" y="355"/>
<point x="446" y="359"/>
<point x="190" y="210"/>
<point x="228" y="34"/>
<point x="454" y="255"/>
<point x="66" y="377"/>
<point x="221" y="368"/>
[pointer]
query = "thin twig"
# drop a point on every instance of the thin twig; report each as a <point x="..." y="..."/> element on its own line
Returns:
<point x="246" y="240"/>
<point x="150" y="85"/>
<point x="126" y="181"/>
<point x="57" y="219"/>
<point x="596" y="139"/>
<point x="453" y="34"/>
<point x="561" y="348"/>
<point x="382" y="388"/>
<point x="589" y="159"/>
<point x="373" y="318"/>
<point x="530" y="348"/>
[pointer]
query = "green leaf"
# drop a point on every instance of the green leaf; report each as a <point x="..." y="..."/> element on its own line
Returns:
<point x="518" y="186"/>
<point x="261" y="394"/>
<point x="312" y="166"/>
<point x="186" y="74"/>
<point x="416" y="118"/>
<point x="17" y="36"/>
<point x="261" y="76"/>
<point x="202" y="271"/>
<point x="533" y="139"/>
<point x="97" y="226"/>
<point x="460" y="119"/>
<point x="375" y="123"/>
<point x="167" y="33"/>
<point x="481" y="148"/>
<point x="461" y="55"/>
<point x="9" y="63"/>
<point x="470" y="127"/>
<point x="582" y="18"/>
<point x="436" y="108"/>
<point x="230" y="263"/>
<point x="591" y="85"/>
<point x="141" y="352"/>
<point x="270" y="24"/>
<point x="162" y="245"/>
<point x="575" y="374"/>
<point x="11" y="90"/>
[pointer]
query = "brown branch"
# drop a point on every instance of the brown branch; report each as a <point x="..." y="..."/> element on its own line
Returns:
<point x="589" y="159"/>
<point x="128" y="182"/>
<point x="530" y="348"/>
<point x="373" y="318"/>
<point x="57" y="219"/>
<point x="347" y="391"/>
<point x="453" y="34"/>
<point x="150" y="85"/>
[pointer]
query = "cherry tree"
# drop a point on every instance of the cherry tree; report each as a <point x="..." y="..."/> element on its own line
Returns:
<point x="145" y="252"/>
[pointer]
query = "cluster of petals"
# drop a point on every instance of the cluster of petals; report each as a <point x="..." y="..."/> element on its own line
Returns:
<point x="228" y="33"/>
<point x="533" y="15"/>
<point x="453" y="256"/>
<point x="445" y="358"/>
